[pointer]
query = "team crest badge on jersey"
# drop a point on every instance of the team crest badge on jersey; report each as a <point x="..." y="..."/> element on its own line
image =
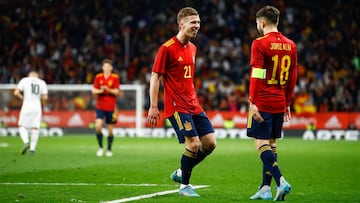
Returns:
<point x="188" y="126"/>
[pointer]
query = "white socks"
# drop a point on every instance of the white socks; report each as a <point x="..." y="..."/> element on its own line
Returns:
<point x="265" y="188"/>
<point x="24" y="135"/>
<point x="34" y="139"/>
<point x="182" y="186"/>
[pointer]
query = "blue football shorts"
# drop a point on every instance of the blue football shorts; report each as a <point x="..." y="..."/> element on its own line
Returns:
<point x="271" y="127"/>
<point x="101" y="114"/>
<point x="190" y="125"/>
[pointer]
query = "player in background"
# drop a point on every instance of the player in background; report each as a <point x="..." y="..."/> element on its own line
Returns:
<point x="273" y="77"/>
<point x="33" y="92"/>
<point x="174" y="64"/>
<point x="105" y="89"/>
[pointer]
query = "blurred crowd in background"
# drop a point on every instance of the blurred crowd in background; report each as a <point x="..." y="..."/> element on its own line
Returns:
<point x="67" y="40"/>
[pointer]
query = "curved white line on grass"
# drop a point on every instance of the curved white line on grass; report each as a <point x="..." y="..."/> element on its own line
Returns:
<point x="91" y="184"/>
<point x="150" y="195"/>
<point x="4" y="144"/>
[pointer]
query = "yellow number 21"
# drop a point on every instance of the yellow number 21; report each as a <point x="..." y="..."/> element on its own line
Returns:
<point x="187" y="73"/>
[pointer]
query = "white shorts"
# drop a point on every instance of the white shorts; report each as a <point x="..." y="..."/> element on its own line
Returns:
<point x="30" y="119"/>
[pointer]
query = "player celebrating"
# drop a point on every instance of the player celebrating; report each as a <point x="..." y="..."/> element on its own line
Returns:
<point x="105" y="88"/>
<point x="273" y="77"/>
<point x="32" y="90"/>
<point x="175" y="65"/>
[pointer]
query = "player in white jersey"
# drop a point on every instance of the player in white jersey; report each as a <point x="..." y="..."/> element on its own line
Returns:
<point x="32" y="90"/>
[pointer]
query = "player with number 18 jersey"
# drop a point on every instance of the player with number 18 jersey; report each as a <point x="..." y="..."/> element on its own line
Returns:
<point x="273" y="71"/>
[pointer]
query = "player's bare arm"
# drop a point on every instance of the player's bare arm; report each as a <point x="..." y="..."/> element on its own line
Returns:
<point x="96" y="91"/>
<point x="44" y="99"/>
<point x="154" y="113"/>
<point x="255" y="113"/>
<point x="114" y="91"/>
<point x="18" y="94"/>
<point x="287" y="115"/>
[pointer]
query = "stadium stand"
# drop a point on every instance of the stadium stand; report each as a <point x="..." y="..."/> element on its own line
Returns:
<point x="67" y="40"/>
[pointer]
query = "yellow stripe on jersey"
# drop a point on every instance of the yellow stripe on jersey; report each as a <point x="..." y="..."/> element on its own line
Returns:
<point x="178" y="120"/>
<point x="169" y="42"/>
<point x="114" y="75"/>
<point x="258" y="73"/>
<point x="249" y="119"/>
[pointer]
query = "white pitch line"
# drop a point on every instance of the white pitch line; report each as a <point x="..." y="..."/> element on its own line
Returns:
<point x="90" y="184"/>
<point x="150" y="195"/>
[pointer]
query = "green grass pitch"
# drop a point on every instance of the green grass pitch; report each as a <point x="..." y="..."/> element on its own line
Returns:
<point x="66" y="169"/>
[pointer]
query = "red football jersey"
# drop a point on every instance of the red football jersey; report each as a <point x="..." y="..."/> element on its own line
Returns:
<point x="273" y="72"/>
<point x="106" y="101"/>
<point x="176" y="63"/>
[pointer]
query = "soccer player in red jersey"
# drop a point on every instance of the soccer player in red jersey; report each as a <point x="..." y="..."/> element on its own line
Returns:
<point x="105" y="88"/>
<point x="174" y="64"/>
<point x="272" y="81"/>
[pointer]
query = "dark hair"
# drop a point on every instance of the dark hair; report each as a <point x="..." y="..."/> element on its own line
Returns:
<point x="107" y="61"/>
<point x="185" y="12"/>
<point x="270" y="13"/>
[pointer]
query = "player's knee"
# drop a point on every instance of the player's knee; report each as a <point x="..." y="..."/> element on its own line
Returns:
<point x="192" y="146"/>
<point x="97" y="130"/>
<point x="272" y="142"/>
<point x="210" y="146"/>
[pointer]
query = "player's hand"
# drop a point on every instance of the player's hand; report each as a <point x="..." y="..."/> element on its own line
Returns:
<point x="153" y="116"/>
<point x="100" y="90"/>
<point x="255" y="113"/>
<point x="104" y="88"/>
<point x="287" y="114"/>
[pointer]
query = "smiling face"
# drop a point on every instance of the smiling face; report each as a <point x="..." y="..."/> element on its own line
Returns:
<point x="190" y="26"/>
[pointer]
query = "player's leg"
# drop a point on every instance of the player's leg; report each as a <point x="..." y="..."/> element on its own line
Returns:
<point x="23" y="132"/>
<point x="268" y="158"/>
<point x="24" y="135"/>
<point x="34" y="133"/>
<point x="34" y="140"/>
<point x="207" y="146"/>
<point x="261" y="134"/>
<point x="186" y="132"/>
<point x="265" y="187"/>
<point x="98" y="132"/>
<point x="207" y="137"/>
<point x="273" y="146"/>
<point x="110" y="138"/>
<point x="267" y="177"/>
<point x="283" y="187"/>
<point x="262" y="143"/>
<point x="188" y="159"/>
